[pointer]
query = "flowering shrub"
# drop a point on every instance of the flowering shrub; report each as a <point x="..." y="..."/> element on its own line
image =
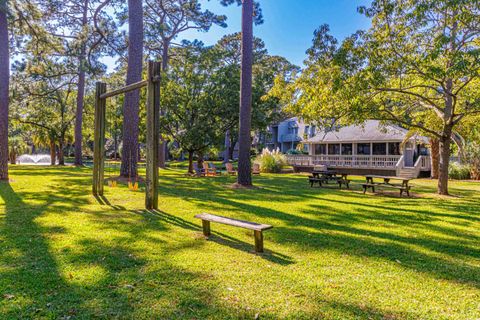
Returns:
<point x="271" y="161"/>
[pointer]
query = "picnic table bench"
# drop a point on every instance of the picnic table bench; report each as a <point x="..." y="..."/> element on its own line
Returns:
<point x="256" y="227"/>
<point x="403" y="187"/>
<point x="327" y="176"/>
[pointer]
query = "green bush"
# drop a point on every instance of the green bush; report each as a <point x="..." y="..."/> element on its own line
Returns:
<point x="458" y="171"/>
<point x="271" y="161"/>
<point x="296" y="151"/>
<point x="472" y="156"/>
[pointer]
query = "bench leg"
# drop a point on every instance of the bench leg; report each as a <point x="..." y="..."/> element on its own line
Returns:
<point x="401" y="192"/>
<point x="258" y="241"/>
<point x="206" y="228"/>
<point x="408" y="191"/>
<point x="364" y="189"/>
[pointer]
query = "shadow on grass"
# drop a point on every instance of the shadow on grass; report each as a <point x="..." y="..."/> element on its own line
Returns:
<point x="342" y="221"/>
<point x="218" y="237"/>
<point x="38" y="280"/>
<point x="131" y="284"/>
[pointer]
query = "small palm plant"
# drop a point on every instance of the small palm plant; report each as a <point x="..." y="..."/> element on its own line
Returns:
<point x="16" y="146"/>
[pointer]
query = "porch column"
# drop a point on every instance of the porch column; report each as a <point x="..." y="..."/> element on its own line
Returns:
<point x="354" y="153"/>
<point x="371" y="154"/>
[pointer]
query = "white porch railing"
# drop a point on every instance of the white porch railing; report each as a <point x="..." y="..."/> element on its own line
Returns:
<point x="345" y="161"/>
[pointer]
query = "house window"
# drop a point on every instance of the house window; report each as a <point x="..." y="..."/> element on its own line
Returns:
<point x="379" y="148"/>
<point x="334" y="148"/>
<point x="394" y="148"/>
<point x="347" y="148"/>
<point x="306" y="133"/>
<point x="320" y="149"/>
<point x="363" y="149"/>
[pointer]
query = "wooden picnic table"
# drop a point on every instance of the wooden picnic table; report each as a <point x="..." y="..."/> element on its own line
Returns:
<point x="328" y="175"/>
<point x="386" y="182"/>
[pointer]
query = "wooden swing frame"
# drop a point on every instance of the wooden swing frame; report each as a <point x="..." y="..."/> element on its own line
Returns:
<point x="152" y="138"/>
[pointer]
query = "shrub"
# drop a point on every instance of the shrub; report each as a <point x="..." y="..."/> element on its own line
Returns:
<point x="458" y="171"/>
<point x="271" y="161"/>
<point x="296" y="151"/>
<point x="212" y="153"/>
<point x="472" y="157"/>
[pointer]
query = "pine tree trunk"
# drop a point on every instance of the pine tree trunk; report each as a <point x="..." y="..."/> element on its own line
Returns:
<point x="445" y="142"/>
<point x="4" y="83"/>
<point x="435" y="156"/>
<point x="244" y="165"/>
<point x="132" y="99"/>
<point x="162" y="147"/>
<point x="80" y="94"/>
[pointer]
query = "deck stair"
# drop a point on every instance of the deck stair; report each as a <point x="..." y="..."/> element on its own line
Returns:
<point x="408" y="172"/>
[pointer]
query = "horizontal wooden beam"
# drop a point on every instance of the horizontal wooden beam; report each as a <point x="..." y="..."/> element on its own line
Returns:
<point x="130" y="87"/>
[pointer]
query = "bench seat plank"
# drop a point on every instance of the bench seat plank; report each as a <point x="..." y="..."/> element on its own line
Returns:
<point x="234" y="222"/>
<point x="386" y="185"/>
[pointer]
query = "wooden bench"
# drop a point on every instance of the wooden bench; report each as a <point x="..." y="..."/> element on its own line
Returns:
<point x="345" y="182"/>
<point x="314" y="180"/>
<point x="320" y="180"/>
<point x="384" y="185"/>
<point x="256" y="227"/>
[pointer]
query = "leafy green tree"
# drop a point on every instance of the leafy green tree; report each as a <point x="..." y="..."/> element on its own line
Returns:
<point x="192" y="98"/>
<point x="165" y="20"/>
<point x="44" y="98"/>
<point x="23" y="17"/>
<point x="16" y="146"/>
<point x="229" y="49"/>
<point x="417" y="66"/>
<point x="73" y="23"/>
<point x="265" y="109"/>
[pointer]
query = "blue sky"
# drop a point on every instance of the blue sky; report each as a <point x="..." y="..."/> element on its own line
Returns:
<point x="289" y="24"/>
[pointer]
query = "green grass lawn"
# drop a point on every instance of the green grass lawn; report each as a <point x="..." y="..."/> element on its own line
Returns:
<point x="333" y="254"/>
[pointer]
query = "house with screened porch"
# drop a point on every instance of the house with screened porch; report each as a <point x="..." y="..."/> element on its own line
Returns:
<point x="371" y="148"/>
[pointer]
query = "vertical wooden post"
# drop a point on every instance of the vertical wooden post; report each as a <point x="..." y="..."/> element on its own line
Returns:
<point x="153" y="107"/>
<point x="99" y="139"/>
<point x="258" y="240"/>
<point x="206" y="228"/>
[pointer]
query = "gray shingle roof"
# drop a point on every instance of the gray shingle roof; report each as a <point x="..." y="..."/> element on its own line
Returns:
<point x="371" y="130"/>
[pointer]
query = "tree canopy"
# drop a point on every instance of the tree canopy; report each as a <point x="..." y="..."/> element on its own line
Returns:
<point x="417" y="66"/>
